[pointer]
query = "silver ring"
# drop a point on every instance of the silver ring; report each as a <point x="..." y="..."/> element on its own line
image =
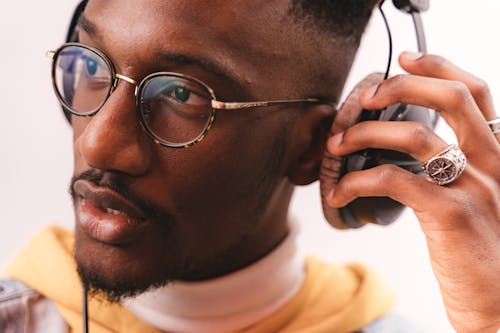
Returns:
<point x="446" y="166"/>
<point x="494" y="125"/>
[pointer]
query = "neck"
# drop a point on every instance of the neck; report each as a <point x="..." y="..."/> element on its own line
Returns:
<point x="265" y="234"/>
<point x="227" y="303"/>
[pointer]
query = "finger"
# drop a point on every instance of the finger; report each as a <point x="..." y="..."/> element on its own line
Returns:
<point x="413" y="138"/>
<point x="451" y="98"/>
<point x="388" y="181"/>
<point x="438" y="67"/>
<point x="441" y="68"/>
<point x="350" y="110"/>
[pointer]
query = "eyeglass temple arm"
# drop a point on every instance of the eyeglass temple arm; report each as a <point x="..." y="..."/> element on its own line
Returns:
<point x="231" y="105"/>
<point x="244" y="105"/>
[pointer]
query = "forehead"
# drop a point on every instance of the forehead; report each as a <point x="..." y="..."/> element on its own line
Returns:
<point x="240" y="34"/>
<point x="207" y="18"/>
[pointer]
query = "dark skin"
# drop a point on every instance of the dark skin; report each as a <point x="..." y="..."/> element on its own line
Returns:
<point x="222" y="204"/>
<point x="461" y="220"/>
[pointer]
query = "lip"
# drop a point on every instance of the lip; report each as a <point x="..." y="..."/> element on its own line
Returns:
<point x="106" y="215"/>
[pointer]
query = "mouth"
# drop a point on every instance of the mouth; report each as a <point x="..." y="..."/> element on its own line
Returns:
<point x="105" y="215"/>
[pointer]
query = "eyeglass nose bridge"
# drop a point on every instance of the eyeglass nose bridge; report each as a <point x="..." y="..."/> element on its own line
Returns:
<point x="127" y="79"/>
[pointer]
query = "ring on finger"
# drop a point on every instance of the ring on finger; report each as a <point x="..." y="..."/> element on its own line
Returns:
<point x="446" y="166"/>
<point x="494" y="125"/>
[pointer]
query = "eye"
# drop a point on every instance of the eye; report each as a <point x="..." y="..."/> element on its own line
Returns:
<point x="173" y="94"/>
<point x="185" y="95"/>
<point x="181" y="94"/>
<point x="91" y="66"/>
<point x="94" y="67"/>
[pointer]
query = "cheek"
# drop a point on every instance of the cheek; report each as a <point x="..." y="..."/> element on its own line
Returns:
<point x="78" y="124"/>
<point x="232" y="158"/>
<point x="208" y="173"/>
<point x="218" y="184"/>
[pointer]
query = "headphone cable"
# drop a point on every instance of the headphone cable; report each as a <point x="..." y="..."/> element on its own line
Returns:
<point x="85" y="311"/>
<point x="389" y="35"/>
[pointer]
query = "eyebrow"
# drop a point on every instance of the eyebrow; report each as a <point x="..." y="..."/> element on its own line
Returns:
<point x="179" y="59"/>
<point x="88" y="26"/>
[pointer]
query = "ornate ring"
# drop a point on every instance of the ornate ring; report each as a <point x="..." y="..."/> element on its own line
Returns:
<point x="446" y="166"/>
<point x="494" y="125"/>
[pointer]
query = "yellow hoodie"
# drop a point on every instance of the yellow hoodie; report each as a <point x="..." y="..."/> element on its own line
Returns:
<point x="332" y="299"/>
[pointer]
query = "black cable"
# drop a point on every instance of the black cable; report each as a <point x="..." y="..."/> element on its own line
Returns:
<point x="85" y="311"/>
<point x="389" y="34"/>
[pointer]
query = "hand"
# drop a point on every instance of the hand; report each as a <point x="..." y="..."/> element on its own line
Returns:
<point x="461" y="221"/>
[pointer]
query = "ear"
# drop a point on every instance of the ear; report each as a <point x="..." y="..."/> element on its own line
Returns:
<point x="314" y="127"/>
<point x="309" y="141"/>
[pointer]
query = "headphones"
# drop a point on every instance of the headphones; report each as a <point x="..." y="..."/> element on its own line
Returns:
<point x="376" y="210"/>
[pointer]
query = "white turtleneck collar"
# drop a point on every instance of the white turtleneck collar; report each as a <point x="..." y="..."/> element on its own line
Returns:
<point x="227" y="303"/>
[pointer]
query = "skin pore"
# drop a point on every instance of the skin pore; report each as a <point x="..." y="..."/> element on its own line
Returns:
<point x="222" y="204"/>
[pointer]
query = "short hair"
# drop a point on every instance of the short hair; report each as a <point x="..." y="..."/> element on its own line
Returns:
<point x="346" y="19"/>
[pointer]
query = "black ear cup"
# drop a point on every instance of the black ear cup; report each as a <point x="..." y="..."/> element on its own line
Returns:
<point x="411" y="6"/>
<point x="379" y="210"/>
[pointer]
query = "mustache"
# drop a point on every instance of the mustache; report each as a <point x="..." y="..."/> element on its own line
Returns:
<point x="115" y="182"/>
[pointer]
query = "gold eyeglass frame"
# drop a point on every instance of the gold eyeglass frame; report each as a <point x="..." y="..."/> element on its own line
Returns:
<point x="116" y="77"/>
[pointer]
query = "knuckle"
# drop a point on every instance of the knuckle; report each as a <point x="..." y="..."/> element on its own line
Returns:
<point x="394" y="84"/>
<point x="387" y="173"/>
<point x="398" y="80"/>
<point x="459" y="93"/>
<point x="421" y="134"/>
<point x="480" y="88"/>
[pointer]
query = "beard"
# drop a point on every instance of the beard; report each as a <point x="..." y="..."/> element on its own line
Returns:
<point x="117" y="286"/>
<point x="114" y="272"/>
<point x="115" y="291"/>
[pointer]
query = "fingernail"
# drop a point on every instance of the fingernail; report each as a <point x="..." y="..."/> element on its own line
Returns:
<point x="336" y="139"/>
<point x="414" y="56"/>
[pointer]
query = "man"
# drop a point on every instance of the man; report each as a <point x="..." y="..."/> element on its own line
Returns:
<point x="212" y="216"/>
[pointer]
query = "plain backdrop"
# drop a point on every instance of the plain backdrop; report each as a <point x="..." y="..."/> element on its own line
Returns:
<point x="36" y="151"/>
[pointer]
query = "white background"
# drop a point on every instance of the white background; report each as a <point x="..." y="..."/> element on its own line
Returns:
<point x="36" y="155"/>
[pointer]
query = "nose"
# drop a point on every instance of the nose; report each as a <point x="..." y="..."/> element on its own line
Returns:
<point x="112" y="139"/>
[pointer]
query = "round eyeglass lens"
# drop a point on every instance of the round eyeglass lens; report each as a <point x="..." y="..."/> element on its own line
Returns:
<point x="82" y="79"/>
<point x="174" y="109"/>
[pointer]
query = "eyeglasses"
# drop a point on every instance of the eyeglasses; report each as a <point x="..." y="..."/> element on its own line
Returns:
<point x="175" y="110"/>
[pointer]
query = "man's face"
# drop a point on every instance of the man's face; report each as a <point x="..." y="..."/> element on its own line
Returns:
<point x="147" y="214"/>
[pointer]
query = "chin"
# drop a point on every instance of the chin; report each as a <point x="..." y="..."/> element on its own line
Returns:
<point x="114" y="272"/>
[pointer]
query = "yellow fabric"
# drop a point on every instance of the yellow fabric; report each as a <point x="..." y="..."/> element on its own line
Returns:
<point x="332" y="299"/>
